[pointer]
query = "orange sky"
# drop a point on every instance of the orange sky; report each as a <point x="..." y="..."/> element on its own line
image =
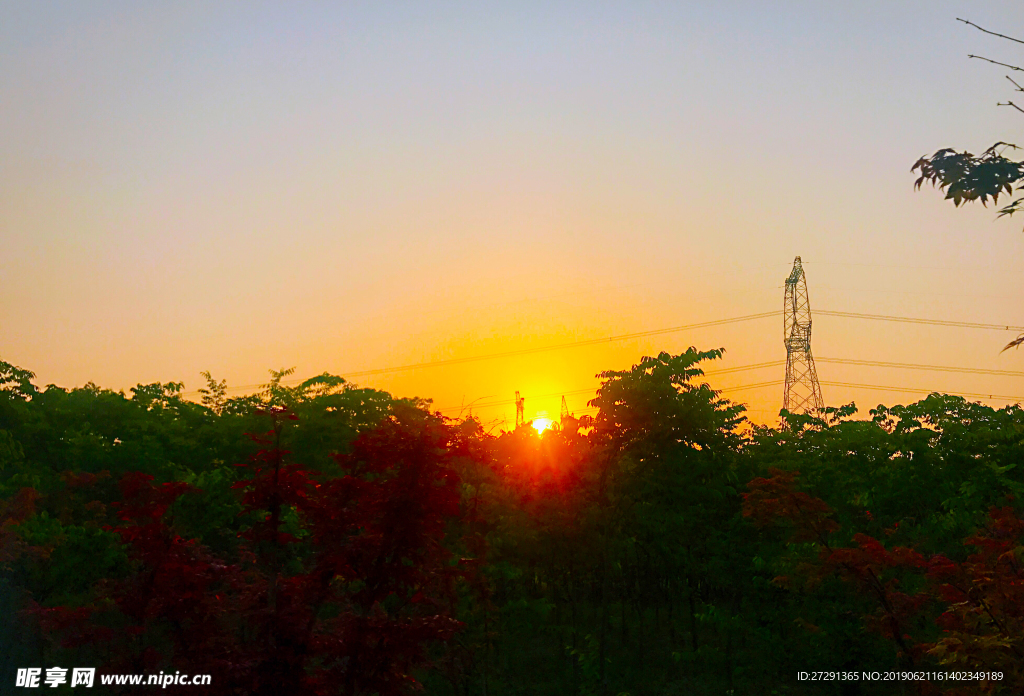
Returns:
<point x="249" y="186"/>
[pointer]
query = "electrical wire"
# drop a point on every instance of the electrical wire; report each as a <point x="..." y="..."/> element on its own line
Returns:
<point x="914" y="320"/>
<point x="654" y="332"/>
<point x="541" y="349"/>
<point x="561" y="346"/>
<point x="913" y="366"/>
<point x="843" y="361"/>
<point x="779" y="363"/>
<point x="593" y="390"/>
<point x="910" y="390"/>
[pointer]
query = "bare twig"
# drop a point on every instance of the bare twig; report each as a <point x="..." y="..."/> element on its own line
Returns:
<point x="1019" y="88"/>
<point x="1014" y="343"/>
<point x="1001" y="36"/>
<point x="1005" y="65"/>
<point x="1010" y="103"/>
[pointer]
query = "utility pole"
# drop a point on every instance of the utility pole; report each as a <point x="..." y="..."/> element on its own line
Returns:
<point x="520" y="410"/>
<point x="803" y="393"/>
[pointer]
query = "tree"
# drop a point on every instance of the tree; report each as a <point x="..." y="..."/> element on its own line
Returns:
<point x="338" y="584"/>
<point x="616" y="557"/>
<point x="966" y="177"/>
<point x="980" y="601"/>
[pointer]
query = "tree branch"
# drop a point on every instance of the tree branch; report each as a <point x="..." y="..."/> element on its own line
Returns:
<point x="1019" y="88"/>
<point x="1005" y="65"/>
<point x="1010" y="103"/>
<point x="1001" y="36"/>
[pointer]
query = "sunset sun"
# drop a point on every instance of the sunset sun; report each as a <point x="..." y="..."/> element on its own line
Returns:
<point x="542" y="424"/>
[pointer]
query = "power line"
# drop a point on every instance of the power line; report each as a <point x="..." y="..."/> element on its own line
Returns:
<point x="773" y="383"/>
<point x="744" y="368"/>
<point x="878" y="387"/>
<point x="593" y="390"/>
<point x="540" y="349"/>
<point x="560" y="346"/>
<point x="779" y="363"/>
<point x="876" y="363"/>
<point x="642" y="334"/>
<point x="913" y="366"/>
<point x="508" y="402"/>
<point x="924" y="391"/>
<point x="914" y="320"/>
<point x="958" y="269"/>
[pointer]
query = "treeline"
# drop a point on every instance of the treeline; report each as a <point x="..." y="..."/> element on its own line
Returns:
<point x="328" y="539"/>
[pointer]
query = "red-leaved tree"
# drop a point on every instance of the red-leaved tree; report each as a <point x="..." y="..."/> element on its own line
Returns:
<point x="982" y="599"/>
<point x="339" y="583"/>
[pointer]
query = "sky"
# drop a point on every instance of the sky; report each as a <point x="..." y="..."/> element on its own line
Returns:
<point x="345" y="187"/>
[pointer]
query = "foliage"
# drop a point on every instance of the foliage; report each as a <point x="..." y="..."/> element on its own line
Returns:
<point x="981" y="599"/>
<point x="966" y="178"/>
<point x="360" y="544"/>
<point x="338" y="582"/>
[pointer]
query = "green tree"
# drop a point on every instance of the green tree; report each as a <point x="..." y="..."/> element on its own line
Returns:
<point x="966" y="177"/>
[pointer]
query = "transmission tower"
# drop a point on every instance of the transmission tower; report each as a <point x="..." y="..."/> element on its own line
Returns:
<point x="565" y="410"/>
<point x="803" y="393"/>
<point x="520" y="410"/>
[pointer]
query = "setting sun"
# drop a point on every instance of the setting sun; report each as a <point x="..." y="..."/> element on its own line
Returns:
<point x="542" y="424"/>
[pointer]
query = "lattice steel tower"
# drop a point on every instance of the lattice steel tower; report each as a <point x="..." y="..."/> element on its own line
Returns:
<point x="803" y="393"/>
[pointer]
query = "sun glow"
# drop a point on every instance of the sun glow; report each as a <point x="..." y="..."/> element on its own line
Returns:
<point x="542" y="424"/>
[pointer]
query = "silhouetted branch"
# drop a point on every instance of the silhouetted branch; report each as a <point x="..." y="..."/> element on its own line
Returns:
<point x="1001" y="36"/>
<point x="1005" y="65"/>
<point x="1014" y="343"/>
<point x="1019" y="88"/>
<point x="1010" y="103"/>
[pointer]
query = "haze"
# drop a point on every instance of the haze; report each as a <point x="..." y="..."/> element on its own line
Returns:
<point x="343" y="187"/>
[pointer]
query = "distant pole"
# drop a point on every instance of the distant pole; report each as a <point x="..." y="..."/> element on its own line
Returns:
<point x="520" y="410"/>
<point x="803" y="393"/>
